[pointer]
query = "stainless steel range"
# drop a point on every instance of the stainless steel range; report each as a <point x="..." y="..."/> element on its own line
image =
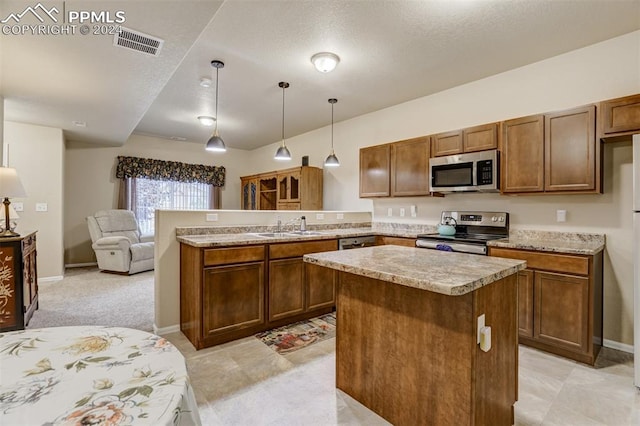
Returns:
<point x="472" y="232"/>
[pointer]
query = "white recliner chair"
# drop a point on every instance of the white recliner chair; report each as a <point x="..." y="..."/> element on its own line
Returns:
<point x="117" y="242"/>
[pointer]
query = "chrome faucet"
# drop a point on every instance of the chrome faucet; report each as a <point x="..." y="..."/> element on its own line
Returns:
<point x="279" y="225"/>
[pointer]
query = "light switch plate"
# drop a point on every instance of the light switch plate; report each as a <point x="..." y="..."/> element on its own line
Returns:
<point x="320" y="216"/>
<point x="401" y="211"/>
<point x="389" y="212"/>
<point x="340" y="216"/>
<point x="42" y="207"/>
<point x="561" y="215"/>
<point x="19" y="206"/>
<point x="414" y="211"/>
<point x="212" y="217"/>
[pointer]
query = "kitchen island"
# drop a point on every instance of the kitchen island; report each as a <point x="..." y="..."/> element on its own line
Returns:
<point x="407" y="333"/>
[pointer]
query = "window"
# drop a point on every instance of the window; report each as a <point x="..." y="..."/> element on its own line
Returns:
<point x="150" y="194"/>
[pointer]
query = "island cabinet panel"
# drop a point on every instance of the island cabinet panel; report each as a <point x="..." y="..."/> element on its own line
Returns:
<point x="522" y="156"/>
<point x="620" y="116"/>
<point x="559" y="302"/>
<point x="570" y="150"/>
<point x="411" y="355"/>
<point x="410" y="167"/>
<point x="375" y="171"/>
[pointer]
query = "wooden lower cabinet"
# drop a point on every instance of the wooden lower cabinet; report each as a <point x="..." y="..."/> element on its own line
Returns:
<point x="382" y="240"/>
<point x="233" y="292"/>
<point x="286" y="288"/>
<point x="559" y="302"/>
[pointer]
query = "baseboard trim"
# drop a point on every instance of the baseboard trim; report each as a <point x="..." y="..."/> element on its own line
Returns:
<point x="166" y="330"/>
<point x="80" y="265"/>
<point x="50" y="279"/>
<point x="617" y="345"/>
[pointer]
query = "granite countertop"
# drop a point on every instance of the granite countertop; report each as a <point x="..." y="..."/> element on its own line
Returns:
<point x="557" y="242"/>
<point x="248" y="238"/>
<point x="448" y="273"/>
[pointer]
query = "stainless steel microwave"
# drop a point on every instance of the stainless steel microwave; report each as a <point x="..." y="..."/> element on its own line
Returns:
<point x="475" y="171"/>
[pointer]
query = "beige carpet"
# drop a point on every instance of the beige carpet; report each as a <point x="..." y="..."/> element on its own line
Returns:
<point x="87" y="296"/>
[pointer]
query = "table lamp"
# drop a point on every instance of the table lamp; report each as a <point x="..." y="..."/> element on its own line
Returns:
<point x="10" y="187"/>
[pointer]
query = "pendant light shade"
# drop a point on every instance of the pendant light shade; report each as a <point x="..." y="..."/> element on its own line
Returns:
<point x="283" y="153"/>
<point x="215" y="142"/>
<point x="332" y="160"/>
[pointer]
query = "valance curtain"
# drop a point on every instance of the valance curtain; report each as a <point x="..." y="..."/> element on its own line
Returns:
<point x="129" y="169"/>
<point x="134" y="167"/>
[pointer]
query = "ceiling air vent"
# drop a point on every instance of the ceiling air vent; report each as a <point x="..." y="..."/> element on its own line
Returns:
<point x="135" y="40"/>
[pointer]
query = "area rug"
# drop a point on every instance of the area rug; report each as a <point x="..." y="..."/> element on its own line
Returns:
<point x="300" y="334"/>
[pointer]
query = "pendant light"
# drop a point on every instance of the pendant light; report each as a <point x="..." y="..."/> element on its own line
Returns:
<point x="215" y="142"/>
<point x="332" y="160"/>
<point x="283" y="153"/>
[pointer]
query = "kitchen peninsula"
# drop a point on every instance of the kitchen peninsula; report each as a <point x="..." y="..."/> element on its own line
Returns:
<point x="407" y="335"/>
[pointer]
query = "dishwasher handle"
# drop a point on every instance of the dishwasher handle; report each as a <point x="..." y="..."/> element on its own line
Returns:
<point x="352" y="243"/>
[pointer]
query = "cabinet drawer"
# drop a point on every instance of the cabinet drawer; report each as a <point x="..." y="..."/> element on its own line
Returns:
<point x="280" y="251"/>
<point x="223" y="256"/>
<point x="546" y="261"/>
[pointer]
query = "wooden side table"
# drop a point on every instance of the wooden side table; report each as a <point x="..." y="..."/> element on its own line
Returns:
<point x="18" y="281"/>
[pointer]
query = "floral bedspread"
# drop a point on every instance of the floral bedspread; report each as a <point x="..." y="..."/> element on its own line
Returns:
<point x="93" y="376"/>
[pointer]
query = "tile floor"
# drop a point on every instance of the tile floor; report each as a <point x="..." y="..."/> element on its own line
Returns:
<point x="246" y="383"/>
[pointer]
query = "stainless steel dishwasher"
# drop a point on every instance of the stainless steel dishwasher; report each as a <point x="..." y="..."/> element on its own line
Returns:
<point x="356" y="242"/>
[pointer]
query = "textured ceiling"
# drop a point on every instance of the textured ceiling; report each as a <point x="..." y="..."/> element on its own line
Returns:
<point x="391" y="52"/>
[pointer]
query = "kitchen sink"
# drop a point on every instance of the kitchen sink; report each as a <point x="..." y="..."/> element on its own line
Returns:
<point x="271" y="234"/>
<point x="305" y="233"/>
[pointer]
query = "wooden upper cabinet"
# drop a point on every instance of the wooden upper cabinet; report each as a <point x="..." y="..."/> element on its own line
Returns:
<point x="570" y="150"/>
<point x="298" y="188"/>
<point x="410" y="167"/>
<point x="480" y="138"/>
<point x="620" y="116"/>
<point x="375" y="168"/>
<point x="522" y="158"/>
<point x="447" y="143"/>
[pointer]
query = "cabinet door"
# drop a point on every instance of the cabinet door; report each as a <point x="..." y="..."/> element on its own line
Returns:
<point x="561" y="310"/>
<point x="286" y="288"/>
<point x="375" y="166"/>
<point x="233" y="297"/>
<point x="447" y="143"/>
<point x="321" y="286"/>
<point x="410" y="167"/>
<point x="621" y="115"/>
<point x="480" y="138"/>
<point x="570" y="150"/>
<point x="525" y="303"/>
<point x="523" y="155"/>
<point x="249" y="191"/>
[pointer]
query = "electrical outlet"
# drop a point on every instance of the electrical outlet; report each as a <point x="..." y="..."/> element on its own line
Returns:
<point x="19" y="206"/>
<point x="320" y="216"/>
<point x="389" y="212"/>
<point x="480" y="327"/>
<point x="212" y="217"/>
<point x="340" y="216"/>
<point x="42" y="207"/>
<point x="414" y="211"/>
<point x="561" y="215"/>
<point x="401" y="211"/>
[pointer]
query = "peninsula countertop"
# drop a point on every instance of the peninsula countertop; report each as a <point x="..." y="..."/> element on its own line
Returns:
<point x="448" y="273"/>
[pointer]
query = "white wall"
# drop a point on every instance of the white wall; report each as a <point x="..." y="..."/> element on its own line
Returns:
<point x="37" y="153"/>
<point x="92" y="186"/>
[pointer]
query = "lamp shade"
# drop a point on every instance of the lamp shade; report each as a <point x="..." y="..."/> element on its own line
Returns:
<point x="10" y="185"/>
<point x="215" y="144"/>
<point x="282" y="153"/>
<point x="332" y="161"/>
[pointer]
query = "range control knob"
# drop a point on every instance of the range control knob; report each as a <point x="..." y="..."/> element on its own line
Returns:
<point x="494" y="219"/>
<point x="501" y="219"/>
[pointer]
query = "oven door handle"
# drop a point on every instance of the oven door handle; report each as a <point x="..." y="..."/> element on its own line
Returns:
<point x="459" y="247"/>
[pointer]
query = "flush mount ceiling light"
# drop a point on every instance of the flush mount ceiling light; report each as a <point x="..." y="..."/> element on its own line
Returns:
<point x="205" y="82"/>
<point x="206" y="120"/>
<point x="283" y="153"/>
<point x="332" y="160"/>
<point x="325" y="61"/>
<point x="215" y="142"/>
